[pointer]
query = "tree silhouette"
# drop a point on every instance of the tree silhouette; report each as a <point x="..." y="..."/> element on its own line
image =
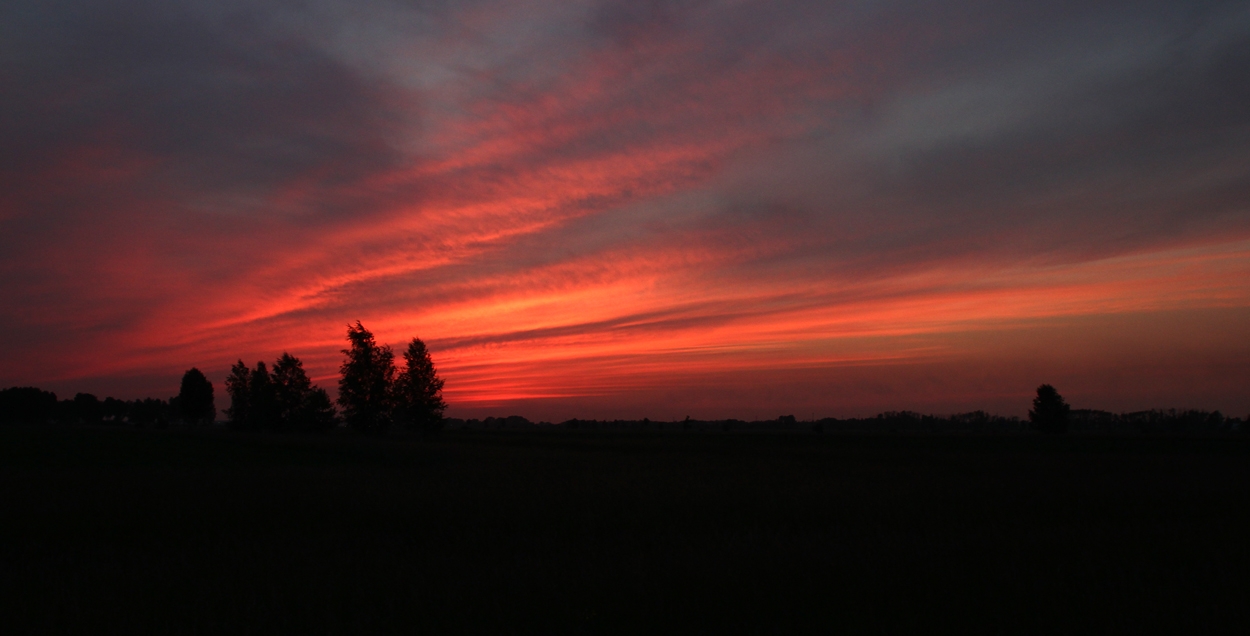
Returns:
<point x="1049" y="413"/>
<point x="281" y="400"/>
<point x="301" y="406"/>
<point x="114" y="410"/>
<point x="291" y="385"/>
<point x="318" y="414"/>
<point x="27" y="405"/>
<point x="262" y="398"/>
<point x="195" y="398"/>
<point x="419" y="392"/>
<point x="368" y="374"/>
<point x="237" y="386"/>
<point x="149" y="412"/>
<point x="85" y="408"/>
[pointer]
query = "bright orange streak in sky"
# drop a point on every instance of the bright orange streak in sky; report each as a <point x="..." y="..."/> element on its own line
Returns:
<point x="742" y="208"/>
<point x="1193" y="277"/>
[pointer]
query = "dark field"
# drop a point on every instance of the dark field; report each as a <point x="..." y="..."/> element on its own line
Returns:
<point x="208" y="532"/>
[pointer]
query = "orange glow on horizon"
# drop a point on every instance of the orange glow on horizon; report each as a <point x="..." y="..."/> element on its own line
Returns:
<point x="574" y="217"/>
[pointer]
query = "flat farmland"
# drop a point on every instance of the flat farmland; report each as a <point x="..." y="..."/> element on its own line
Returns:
<point x="109" y="530"/>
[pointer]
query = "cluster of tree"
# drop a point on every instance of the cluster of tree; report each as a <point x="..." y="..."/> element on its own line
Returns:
<point x="283" y="400"/>
<point x="193" y="405"/>
<point x="28" y="405"/>
<point x="374" y="394"/>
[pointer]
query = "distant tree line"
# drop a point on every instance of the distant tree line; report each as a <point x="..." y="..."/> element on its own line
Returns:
<point x="1160" y="421"/>
<point x="1154" y="421"/>
<point x="1050" y="415"/>
<point x="890" y="421"/>
<point x="192" y="406"/>
<point x="374" y="395"/>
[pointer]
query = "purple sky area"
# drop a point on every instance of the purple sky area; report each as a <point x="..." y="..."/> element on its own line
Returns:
<point x="629" y="209"/>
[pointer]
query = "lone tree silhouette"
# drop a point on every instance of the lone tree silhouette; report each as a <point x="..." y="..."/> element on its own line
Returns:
<point x="368" y="374"/>
<point x="195" y="398"/>
<point x="1049" y="413"/>
<point x="419" y="392"/>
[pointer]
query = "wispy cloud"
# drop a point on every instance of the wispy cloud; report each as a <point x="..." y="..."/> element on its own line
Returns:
<point x="594" y="204"/>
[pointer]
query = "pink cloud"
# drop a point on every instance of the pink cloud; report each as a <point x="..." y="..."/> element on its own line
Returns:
<point x="657" y="213"/>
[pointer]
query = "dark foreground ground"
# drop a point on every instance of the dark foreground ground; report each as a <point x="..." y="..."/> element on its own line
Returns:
<point x="209" y="532"/>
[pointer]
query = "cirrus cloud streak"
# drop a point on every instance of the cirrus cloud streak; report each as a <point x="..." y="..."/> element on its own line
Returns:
<point x="593" y="208"/>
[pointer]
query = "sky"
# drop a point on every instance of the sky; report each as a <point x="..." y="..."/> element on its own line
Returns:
<point x="627" y="209"/>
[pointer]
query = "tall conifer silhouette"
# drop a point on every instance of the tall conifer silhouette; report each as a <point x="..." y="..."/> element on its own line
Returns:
<point x="368" y="374"/>
<point x="419" y="391"/>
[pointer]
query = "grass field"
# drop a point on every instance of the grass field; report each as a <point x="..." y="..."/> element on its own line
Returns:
<point x="210" y="532"/>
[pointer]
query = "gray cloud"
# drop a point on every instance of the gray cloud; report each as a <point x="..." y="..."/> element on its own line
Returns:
<point x="148" y="148"/>
<point x="221" y="107"/>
